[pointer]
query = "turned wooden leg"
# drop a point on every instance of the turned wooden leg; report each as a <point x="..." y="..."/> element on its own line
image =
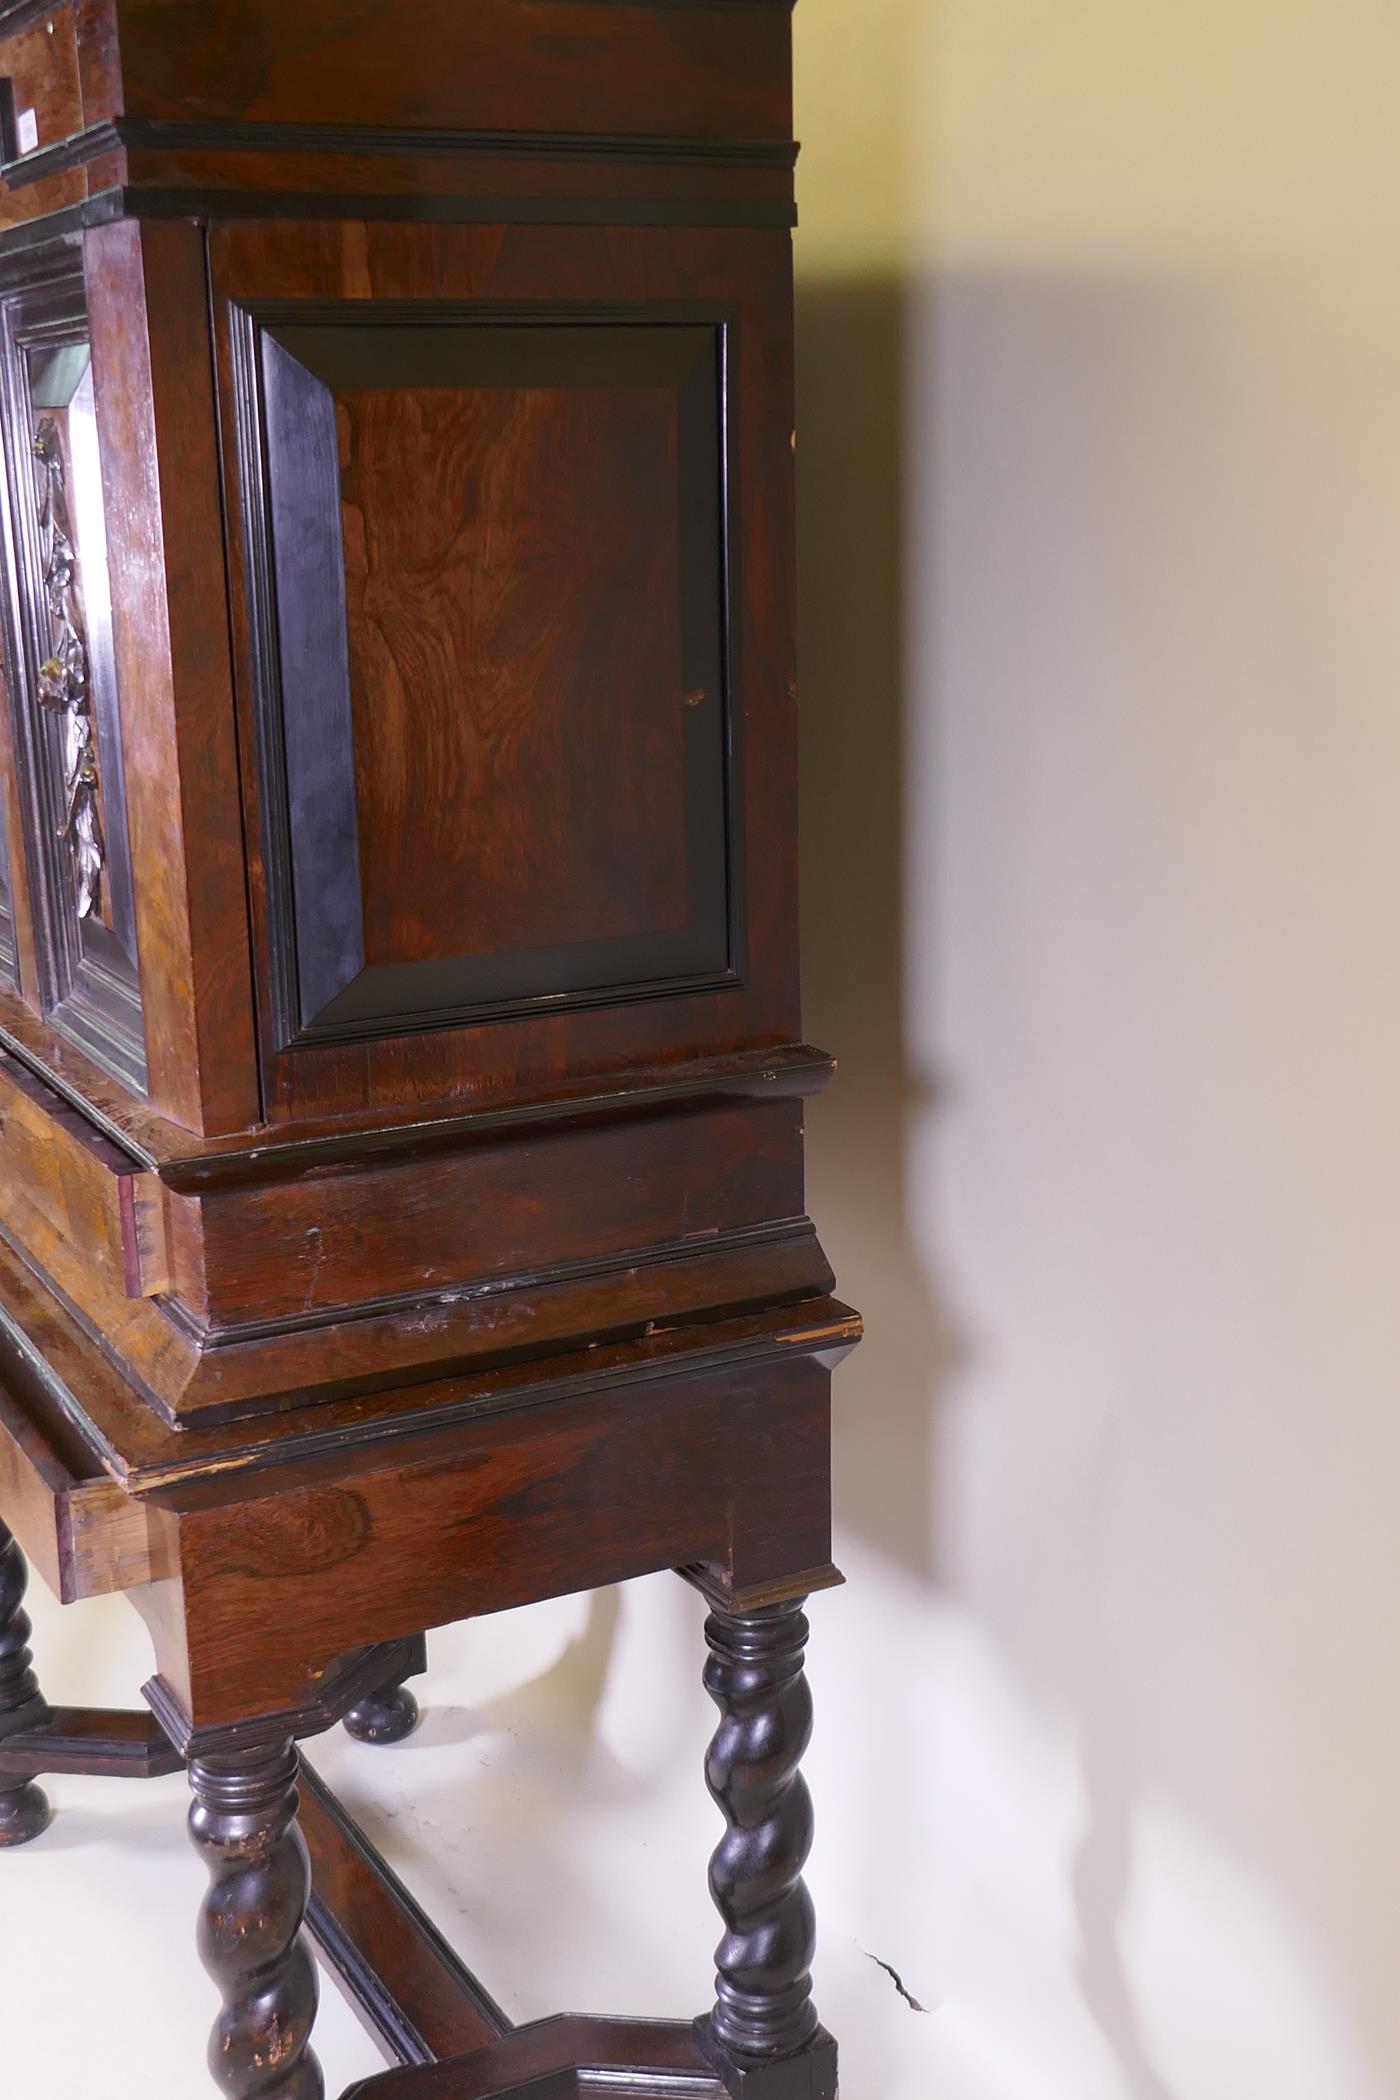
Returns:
<point x="386" y="1716"/>
<point x="24" y="1808"/>
<point x="243" y="1822"/>
<point x="763" y="2031"/>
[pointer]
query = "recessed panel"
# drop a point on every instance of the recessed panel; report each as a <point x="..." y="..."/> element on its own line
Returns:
<point x="495" y="711"/>
<point x="533" y="583"/>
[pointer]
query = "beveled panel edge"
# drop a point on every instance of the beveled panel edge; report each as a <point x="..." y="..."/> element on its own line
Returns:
<point x="310" y="812"/>
<point x="641" y="972"/>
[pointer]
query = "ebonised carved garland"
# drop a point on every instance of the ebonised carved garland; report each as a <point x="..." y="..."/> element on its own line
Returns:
<point x="401" y="1075"/>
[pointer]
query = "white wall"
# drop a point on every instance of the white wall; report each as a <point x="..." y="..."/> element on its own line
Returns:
<point x="1101" y="489"/>
<point x="1104" y="889"/>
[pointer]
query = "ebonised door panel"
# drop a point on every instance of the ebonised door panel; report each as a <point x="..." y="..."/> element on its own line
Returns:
<point x="513" y="623"/>
<point x="62" y="672"/>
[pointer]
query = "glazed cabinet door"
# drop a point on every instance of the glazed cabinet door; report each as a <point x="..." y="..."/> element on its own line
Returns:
<point x="67" y="796"/>
<point x="510" y="515"/>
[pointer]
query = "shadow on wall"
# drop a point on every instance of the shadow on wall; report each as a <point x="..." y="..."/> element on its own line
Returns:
<point x="1153" y="828"/>
<point x="857" y="715"/>
<point x="850" y="655"/>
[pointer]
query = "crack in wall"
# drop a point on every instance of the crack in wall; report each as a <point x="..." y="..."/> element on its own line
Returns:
<point x="897" y="1980"/>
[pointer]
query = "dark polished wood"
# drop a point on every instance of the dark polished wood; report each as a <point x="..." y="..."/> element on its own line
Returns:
<point x="402" y="1079"/>
<point x="408" y="1987"/>
<point x="93" y="1741"/>
<point x="764" y="2007"/>
<point x="24" y="1810"/>
<point x="243" y="1825"/>
<point x="566" y="2058"/>
<point x="722" y="1463"/>
<point x="714" y="69"/>
<point x="521" y="273"/>
<point x="389" y="1713"/>
<point x="386" y="1716"/>
<point x="328" y="1694"/>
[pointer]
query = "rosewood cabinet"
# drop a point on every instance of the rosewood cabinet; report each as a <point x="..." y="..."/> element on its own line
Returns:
<point x="402" y="1082"/>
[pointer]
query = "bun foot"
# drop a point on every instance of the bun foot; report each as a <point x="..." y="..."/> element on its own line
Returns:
<point x="385" y="1717"/>
<point x="24" y="1815"/>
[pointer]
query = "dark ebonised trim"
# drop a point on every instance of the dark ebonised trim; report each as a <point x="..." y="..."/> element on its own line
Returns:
<point x="392" y="2020"/>
<point x="214" y="135"/>
<point x="829" y="1332"/>
<point x="75" y="151"/>
<point x="776" y="214"/>
<point x="715" y="1588"/>
<point x="18" y="14"/>
<point x="305" y="682"/>
<point x="95" y="1741"/>
<point x="349" y="1679"/>
<point x="826" y="1344"/>
<point x="356" y="343"/>
<point x="26" y="248"/>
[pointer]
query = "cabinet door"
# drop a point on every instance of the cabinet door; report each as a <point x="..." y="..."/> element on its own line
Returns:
<point x="62" y="673"/>
<point x="513" y="603"/>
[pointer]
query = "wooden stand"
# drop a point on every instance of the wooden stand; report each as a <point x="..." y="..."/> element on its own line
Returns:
<point x="289" y="1870"/>
<point x="704" y="1448"/>
<point x="402" y="1081"/>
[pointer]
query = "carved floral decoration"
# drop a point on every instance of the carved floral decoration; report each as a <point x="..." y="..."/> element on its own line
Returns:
<point x="64" y="687"/>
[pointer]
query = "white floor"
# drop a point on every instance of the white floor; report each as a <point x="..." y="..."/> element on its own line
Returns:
<point x="549" y="1812"/>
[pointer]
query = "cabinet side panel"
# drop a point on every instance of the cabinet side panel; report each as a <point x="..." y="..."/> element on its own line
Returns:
<point x="557" y="523"/>
<point x="713" y="71"/>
